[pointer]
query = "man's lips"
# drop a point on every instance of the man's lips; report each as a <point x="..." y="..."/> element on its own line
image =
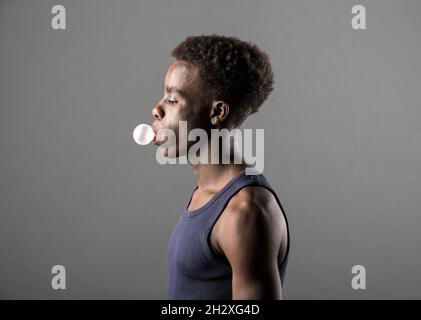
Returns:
<point x="159" y="142"/>
<point x="155" y="141"/>
<point x="156" y="129"/>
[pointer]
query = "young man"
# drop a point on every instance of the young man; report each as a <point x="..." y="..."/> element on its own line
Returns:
<point x="232" y="240"/>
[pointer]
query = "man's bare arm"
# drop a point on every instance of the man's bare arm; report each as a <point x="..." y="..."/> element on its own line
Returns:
<point x="250" y="239"/>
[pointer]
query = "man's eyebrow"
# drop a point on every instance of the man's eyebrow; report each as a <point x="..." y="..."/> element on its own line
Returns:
<point x="174" y="89"/>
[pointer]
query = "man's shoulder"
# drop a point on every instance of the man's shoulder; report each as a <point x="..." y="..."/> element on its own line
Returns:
<point x="255" y="204"/>
<point x="252" y="198"/>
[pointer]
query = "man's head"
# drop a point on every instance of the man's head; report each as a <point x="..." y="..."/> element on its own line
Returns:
<point x="215" y="82"/>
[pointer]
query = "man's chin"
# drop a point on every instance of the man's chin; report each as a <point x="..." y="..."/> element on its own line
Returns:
<point x="167" y="152"/>
<point x="170" y="153"/>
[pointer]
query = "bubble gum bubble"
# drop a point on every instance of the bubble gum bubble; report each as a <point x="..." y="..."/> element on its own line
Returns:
<point x="143" y="134"/>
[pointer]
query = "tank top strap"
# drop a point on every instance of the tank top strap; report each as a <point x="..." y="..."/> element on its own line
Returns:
<point x="239" y="182"/>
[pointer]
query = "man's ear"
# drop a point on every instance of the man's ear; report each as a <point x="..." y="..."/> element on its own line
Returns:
<point x="219" y="112"/>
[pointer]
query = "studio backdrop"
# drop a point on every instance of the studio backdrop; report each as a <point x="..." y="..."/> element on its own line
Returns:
<point x="342" y="142"/>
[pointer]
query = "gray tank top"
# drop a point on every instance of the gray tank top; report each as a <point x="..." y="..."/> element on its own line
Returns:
<point x="195" y="272"/>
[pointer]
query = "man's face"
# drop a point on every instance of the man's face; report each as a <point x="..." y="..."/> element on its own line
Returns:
<point x="183" y="100"/>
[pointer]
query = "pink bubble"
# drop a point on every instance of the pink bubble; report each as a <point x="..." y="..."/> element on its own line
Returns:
<point x="143" y="134"/>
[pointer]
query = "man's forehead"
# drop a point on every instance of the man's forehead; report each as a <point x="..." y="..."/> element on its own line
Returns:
<point x="181" y="75"/>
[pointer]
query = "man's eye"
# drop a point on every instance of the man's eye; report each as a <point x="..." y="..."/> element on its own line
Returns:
<point x="172" y="101"/>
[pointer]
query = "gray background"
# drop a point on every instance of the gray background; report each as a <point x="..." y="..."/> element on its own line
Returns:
<point x="342" y="129"/>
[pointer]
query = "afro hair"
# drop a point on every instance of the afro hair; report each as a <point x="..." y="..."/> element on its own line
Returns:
<point x="237" y="71"/>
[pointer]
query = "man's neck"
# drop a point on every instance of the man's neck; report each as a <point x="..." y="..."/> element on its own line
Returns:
<point x="213" y="176"/>
<point x="216" y="176"/>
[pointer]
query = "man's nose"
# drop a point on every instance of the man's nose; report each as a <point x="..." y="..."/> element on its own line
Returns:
<point x="158" y="112"/>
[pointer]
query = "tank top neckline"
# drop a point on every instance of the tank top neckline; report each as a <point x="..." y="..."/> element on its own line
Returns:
<point x="192" y="213"/>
